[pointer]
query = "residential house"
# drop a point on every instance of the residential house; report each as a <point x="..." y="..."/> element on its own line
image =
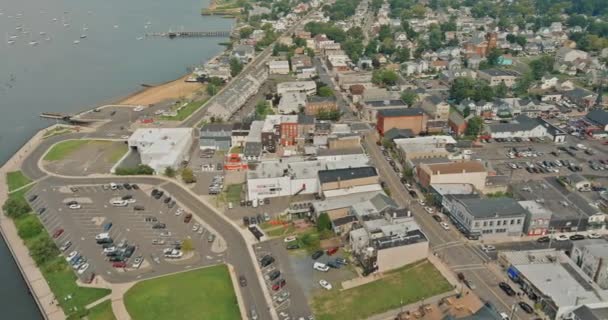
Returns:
<point x="457" y="123"/>
<point x="436" y="107"/>
<point x="244" y="53"/>
<point x="370" y="108"/>
<point x="524" y="127"/>
<point x="498" y="76"/>
<point x="240" y="131"/>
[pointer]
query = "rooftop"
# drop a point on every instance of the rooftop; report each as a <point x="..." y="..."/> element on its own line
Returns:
<point x="344" y="174"/>
<point x="401" y="112"/>
<point x="456" y="167"/>
<point x="489" y="207"/>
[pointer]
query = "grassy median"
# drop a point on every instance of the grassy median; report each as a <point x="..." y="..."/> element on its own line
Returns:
<point x="403" y="286"/>
<point x="63" y="149"/>
<point x="16" y="180"/>
<point x="205" y="293"/>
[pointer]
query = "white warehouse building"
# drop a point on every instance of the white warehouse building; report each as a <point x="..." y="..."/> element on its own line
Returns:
<point x="160" y="148"/>
<point x="293" y="176"/>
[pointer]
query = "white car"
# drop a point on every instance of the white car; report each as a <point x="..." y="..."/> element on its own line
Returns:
<point x="109" y="249"/>
<point x="132" y="200"/>
<point x="320" y="267"/>
<point x="290" y="239"/>
<point x="113" y="186"/>
<point x="83" y="268"/>
<point x="71" y="256"/>
<point x="74" y="206"/>
<point x="100" y="236"/>
<point x="120" y="203"/>
<point x="179" y="211"/>
<point x="195" y="227"/>
<point x="421" y="202"/>
<point x="174" y="254"/>
<point x="562" y="237"/>
<point x="594" y="235"/>
<point x="445" y="226"/>
<point x="487" y="248"/>
<point x="429" y="209"/>
<point x="408" y="186"/>
<point x="326" y="285"/>
<point x="138" y="108"/>
<point x="138" y="261"/>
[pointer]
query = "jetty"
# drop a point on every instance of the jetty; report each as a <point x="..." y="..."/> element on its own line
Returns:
<point x="190" y="34"/>
<point x="70" y="118"/>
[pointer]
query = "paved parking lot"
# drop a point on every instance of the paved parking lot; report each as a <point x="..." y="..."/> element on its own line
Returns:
<point x="82" y="225"/>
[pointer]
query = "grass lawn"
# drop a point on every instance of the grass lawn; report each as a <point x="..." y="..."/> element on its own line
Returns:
<point x="16" y="180"/>
<point x="102" y="311"/>
<point x="199" y="294"/>
<point x="184" y="112"/>
<point x="233" y="193"/>
<point x="281" y="231"/>
<point x="56" y="131"/>
<point x="236" y="149"/>
<point x="409" y="284"/>
<point x="63" y="149"/>
<point x="116" y="153"/>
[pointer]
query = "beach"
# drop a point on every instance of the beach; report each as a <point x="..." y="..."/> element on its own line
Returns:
<point x="175" y="89"/>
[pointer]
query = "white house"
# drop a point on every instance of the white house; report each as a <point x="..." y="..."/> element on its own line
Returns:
<point x="160" y="148"/>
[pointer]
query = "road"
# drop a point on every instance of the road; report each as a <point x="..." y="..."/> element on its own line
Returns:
<point x="450" y="246"/>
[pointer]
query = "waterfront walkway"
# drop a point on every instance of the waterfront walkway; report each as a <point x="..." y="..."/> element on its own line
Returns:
<point x="33" y="276"/>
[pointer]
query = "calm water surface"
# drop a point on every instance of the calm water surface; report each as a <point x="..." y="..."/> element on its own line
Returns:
<point x="45" y="71"/>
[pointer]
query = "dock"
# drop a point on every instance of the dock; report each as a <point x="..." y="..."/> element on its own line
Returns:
<point x="190" y="34"/>
<point x="69" y="118"/>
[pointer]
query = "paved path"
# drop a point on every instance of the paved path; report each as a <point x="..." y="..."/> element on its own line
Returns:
<point x="40" y="289"/>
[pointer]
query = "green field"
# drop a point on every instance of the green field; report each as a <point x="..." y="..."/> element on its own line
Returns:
<point x="16" y="180"/>
<point x="63" y="149"/>
<point x="400" y="287"/>
<point x="186" y="111"/>
<point x="102" y="311"/>
<point x="233" y="193"/>
<point x="199" y="294"/>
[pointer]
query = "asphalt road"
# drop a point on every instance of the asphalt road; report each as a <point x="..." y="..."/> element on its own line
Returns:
<point x="450" y="246"/>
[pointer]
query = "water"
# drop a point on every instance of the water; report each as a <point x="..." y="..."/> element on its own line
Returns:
<point x="57" y="75"/>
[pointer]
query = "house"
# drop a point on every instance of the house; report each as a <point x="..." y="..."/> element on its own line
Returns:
<point x="216" y="136"/>
<point x="400" y="36"/>
<point x="278" y="67"/>
<point x="347" y="79"/>
<point x="498" y="76"/>
<point x="292" y="102"/>
<point x="413" y="118"/>
<point x="565" y="55"/>
<point x="317" y="104"/>
<point x="578" y="182"/>
<point x="240" y="131"/>
<point x="524" y="127"/>
<point x="300" y="61"/>
<point x="160" y="148"/>
<point x="457" y="123"/>
<point x="581" y="97"/>
<point x="338" y="63"/>
<point x="548" y="82"/>
<point x="244" y="53"/>
<point x="473" y="172"/>
<point x="486" y="217"/>
<point x="436" y="107"/>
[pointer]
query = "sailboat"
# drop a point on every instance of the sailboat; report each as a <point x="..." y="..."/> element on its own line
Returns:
<point x="85" y="28"/>
<point x="9" y="40"/>
<point x="76" y="41"/>
<point x="140" y="38"/>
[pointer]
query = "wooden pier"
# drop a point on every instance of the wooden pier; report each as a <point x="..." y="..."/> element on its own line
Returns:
<point x="190" y="34"/>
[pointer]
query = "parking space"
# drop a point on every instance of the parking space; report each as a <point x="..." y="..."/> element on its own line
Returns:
<point x="145" y="236"/>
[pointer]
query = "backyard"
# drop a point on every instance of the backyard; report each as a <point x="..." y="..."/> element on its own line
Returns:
<point x="403" y="286"/>
<point x="205" y="293"/>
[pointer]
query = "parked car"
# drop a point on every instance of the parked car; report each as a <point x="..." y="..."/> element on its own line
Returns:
<point x="526" y="307"/>
<point x="137" y="262"/>
<point x="317" y="254"/>
<point x="107" y="226"/>
<point x="119" y="264"/>
<point x="187" y="218"/>
<point x="507" y="288"/>
<point x="562" y="237"/>
<point x="331" y="251"/>
<point x="65" y="246"/>
<point x="293" y="246"/>
<point x="57" y="233"/>
<point x="139" y="208"/>
<point x="279" y="284"/>
<point x="325" y="285"/>
<point x="320" y="267"/>
<point x="543" y="239"/>
<point x="32" y="198"/>
<point x="274" y="274"/>
<point x="575" y="237"/>
<point x="437" y="218"/>
<point x="266" y="261"/>
<point x="594" y="235"/>
<point x="242" y="281"/>
<point x="487" y="248"/>
<point x="341" y="261"/>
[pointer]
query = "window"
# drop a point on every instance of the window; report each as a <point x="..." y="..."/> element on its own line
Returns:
<point x="485" y="223"/>
<point x="512" y="221"/>
<point x="491" y="223"/>
<point x="498" y="223"/>
<point x="518" y="221"/>
<point x="501" y="230"/>
<point x="476" y="224"/>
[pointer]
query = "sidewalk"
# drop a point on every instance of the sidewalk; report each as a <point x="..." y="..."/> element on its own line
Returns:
<point x="391" y="314"/>
<point x="35" y="280"/>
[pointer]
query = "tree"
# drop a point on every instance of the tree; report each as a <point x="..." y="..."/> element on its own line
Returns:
<point x="15" y="207"/>
<point x="474" y="126"/>
<point x="384" y="76"/>
<point x="170" y="172"/>
<point x="500" y="91"/>
<point x="141" y="169"/>
<point x="494" y="56"/>
<point x="188" y="175"/>
<point x="187" y="245"/>
<point x="43" y="249"/>
<point x="523" y="84"/>
<point x="333" y="115"/>
<point x="325" y="91"/>
<point x="245" y="32"/>
<point x="402" y="55"/>
<point x="211" y="89"/>
<point x="323" y="222"/>
<point x="466" y="111"/>
<point x="541" y="66"/>
<point x="262" y="109"/>
<point x="409" y="97"/>
<point x="235" y="66"/>
<point x="29" y="228"/>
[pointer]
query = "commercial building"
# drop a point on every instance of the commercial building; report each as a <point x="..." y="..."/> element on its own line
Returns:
<point x="163" y="147"/>
<point x="538" y="218"/>
<point x="293" y="176"/>
<point x="491" y="217"/>
<point x="412" y="118"/>
<point x="216" y="136"/>
<point x="317" y="104"/>
<point x="524" y="127"/>
<point x="308" y="87"/>
<point x="371" y="107"/>
<point x="424" y="147"/>
<point x="592" y="257"/>
<point x="552" y="280"/>
<point x="599" y="118"/>
<point x="278" y="67"/>
<point x="590" y="311"/>
<point x="473" y="172"/>
<point x="292" y="102"/>
<point x="337" y="182"/>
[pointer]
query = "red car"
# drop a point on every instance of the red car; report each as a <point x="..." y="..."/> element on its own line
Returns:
<point x="279" y="284"/>
<point x="188" y="217"/>
<point x="331" y="251"/>
<point x="120" y="264"/>
<point x="57" y="233"/>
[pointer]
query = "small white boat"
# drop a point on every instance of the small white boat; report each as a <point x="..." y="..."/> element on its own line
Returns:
<point x="82" y="36"/>
<point x="76" y="41"/>
<point x="11" y="42"/>
<point x="66" y="25"/>
<point x="115" y="26"/>
<point x="54" y="19"/>
<point x="19" y="28"/>
<point x="48" y="39"/>
<point x="13" y="37"/>
<point x="33" y="43"/>
<point x="42" y="33"/>
<point x="140" y="38"/>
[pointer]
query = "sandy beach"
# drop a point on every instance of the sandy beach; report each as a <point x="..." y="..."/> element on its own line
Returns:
<point x="170" y="90"/>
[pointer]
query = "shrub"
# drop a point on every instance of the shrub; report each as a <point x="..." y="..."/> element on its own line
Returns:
<point x="15" y="207"/>
<point x="141" y="169"/>
<point x="43" y="250"/>
<point x="29" y="228"/>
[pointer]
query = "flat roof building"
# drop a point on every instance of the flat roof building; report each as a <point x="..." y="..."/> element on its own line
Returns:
<point x="160" y="148"/>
